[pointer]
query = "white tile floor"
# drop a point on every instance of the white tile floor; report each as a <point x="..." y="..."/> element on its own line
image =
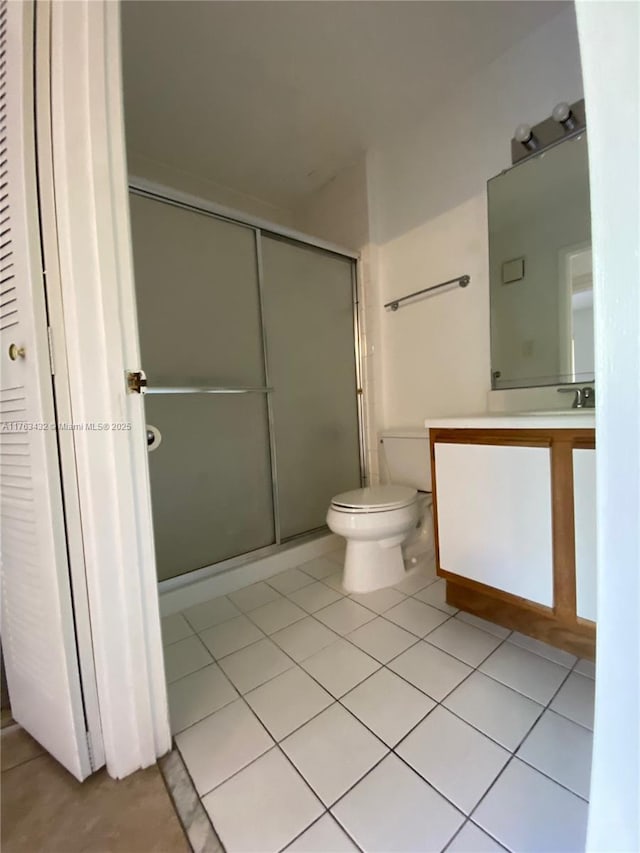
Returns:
<point x="310" y="720"/>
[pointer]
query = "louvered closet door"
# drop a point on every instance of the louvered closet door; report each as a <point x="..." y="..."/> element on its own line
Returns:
<point x="38" y="638"/>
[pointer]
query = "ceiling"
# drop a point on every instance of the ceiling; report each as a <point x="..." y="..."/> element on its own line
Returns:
<point x="273" y="98"/>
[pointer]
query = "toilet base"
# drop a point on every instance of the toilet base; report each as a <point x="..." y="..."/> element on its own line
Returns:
<point x="368" y="566"/>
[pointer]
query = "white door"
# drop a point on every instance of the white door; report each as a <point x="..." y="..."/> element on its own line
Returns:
<point x="38" y="637"/>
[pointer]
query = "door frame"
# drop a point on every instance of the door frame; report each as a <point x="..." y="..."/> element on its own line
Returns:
<point x="565" y="310"/>
<point x="612" y="88"/>
<point x="94" y="313"/>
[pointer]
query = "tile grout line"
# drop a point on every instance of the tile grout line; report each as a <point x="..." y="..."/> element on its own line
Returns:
<point x="513" y="755"/>
<point x="385" y="666"/>
<point x="467" y="821"/>
<point x="22" y="763"/>
<point x="569" y="719"/>
<point x="338" y="700"/>
<point x="277" y="744"/>
<point x="389" y="750"/>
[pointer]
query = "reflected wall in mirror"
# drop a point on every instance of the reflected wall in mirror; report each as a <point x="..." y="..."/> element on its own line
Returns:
<point x="540" y="270"/>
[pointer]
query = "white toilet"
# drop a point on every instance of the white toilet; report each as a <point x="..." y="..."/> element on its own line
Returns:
<point x="388" y="528"/>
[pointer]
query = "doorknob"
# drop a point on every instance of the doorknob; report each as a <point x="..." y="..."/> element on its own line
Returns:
<point x="16" y="352"/>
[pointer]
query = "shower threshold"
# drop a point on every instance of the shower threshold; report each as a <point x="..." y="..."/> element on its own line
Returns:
<point x="230" y="575"/>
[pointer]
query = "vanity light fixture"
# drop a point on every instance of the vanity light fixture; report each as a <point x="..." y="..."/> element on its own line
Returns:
<point x="563" y="114"/>
<point x="565" y="122"/>
<point x="525" y="135"/>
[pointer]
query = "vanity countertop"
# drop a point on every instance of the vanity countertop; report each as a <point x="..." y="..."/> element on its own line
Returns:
<point x="562" y="419"/>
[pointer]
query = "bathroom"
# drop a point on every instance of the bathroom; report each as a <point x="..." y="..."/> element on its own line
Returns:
<point x="463" y="694"/>
<point x="271" y="644"/>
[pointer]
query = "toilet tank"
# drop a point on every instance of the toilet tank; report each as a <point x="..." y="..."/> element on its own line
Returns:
<point x="405" y="458"/>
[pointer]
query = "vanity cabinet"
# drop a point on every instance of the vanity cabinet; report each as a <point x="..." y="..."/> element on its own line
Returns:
<point x="514" y="521"/>
<point x="494" y="516"/>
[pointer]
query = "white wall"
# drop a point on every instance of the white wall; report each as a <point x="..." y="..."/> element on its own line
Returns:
<point x="140" y="166"/>
<point x="429" y="221"/>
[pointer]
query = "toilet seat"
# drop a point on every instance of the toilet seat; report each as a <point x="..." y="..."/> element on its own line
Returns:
<point x="374" y="499"/>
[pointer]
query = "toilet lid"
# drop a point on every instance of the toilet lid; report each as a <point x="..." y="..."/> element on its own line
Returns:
<point x="375" y="498"/>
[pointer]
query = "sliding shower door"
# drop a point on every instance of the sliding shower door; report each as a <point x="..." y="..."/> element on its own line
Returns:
<point x="247" y="343"/>
<point x="200" y="330"/>
<point x="309" y="323"/>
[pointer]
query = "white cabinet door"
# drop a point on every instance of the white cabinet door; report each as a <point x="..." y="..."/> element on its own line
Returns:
<point x="584" y="508"/>
<point x="494" y="516"/>
<point x="38" y="636"/>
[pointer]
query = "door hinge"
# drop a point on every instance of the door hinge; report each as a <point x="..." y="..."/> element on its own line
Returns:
<point x="95" y="750"/>
<point x="92" y="760"/>
<point x="136" y="381"/>
<point x="50" y="343"/>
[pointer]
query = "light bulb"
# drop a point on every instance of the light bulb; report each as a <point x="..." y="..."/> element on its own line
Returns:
<point x="525" y="136"/>
<point x="563" y="115"/>
<point x="561" y="112"/>
<point x="523" y="133"/>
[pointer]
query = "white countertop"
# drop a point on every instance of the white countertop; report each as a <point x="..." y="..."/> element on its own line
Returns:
<point x="562" y="419"/>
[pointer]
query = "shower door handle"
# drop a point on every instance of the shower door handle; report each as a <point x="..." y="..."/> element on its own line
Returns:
<point x="137" y="384"/>
<point x="205" y="389"/>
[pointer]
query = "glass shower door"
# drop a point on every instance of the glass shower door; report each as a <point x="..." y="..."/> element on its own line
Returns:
<point x="202" y="351"/>
<point x="309" y="325"/>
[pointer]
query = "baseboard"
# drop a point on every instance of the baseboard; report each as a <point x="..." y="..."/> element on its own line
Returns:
<point x="193" y="593"/>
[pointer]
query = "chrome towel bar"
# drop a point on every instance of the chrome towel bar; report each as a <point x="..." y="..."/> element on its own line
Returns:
<point x="461" y="280"/>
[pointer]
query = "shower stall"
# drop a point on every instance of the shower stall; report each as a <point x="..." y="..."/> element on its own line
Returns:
<point x="249" y="344"/>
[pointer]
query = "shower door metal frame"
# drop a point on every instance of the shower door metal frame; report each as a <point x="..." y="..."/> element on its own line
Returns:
<point x="167" y="195"/>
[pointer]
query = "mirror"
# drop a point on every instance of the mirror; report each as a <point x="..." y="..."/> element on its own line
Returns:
<point x="540" y="270"/>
